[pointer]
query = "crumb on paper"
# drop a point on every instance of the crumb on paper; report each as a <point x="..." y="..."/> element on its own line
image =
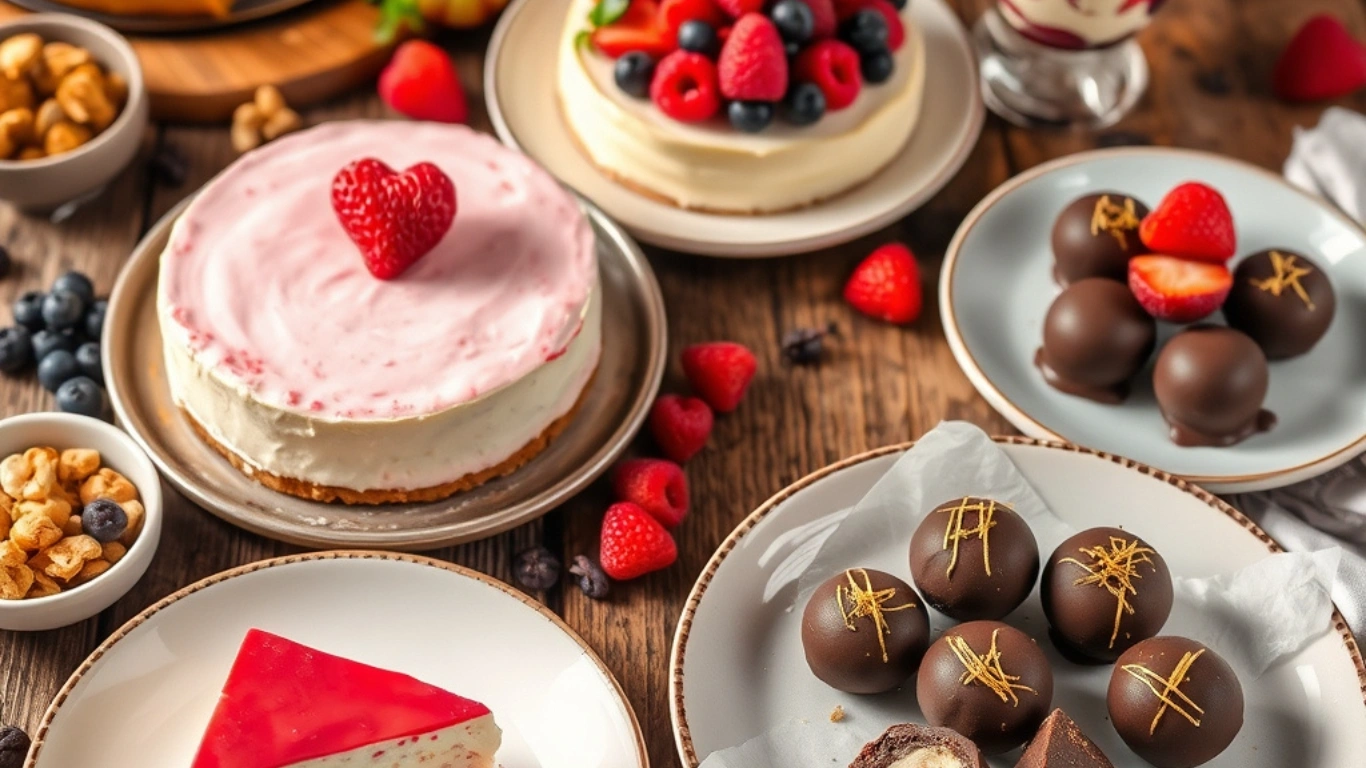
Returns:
<point x="837" y="714"/>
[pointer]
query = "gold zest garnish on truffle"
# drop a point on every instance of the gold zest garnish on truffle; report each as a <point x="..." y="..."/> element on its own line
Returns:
<point x="1118" y="220"/>
<point x="955" y="533"/>
<point x="1288" y="272"/>
<point x="860" y="601"/>
<point x="986" y="670"/>
<point x="1114" y="568"/>
<point x="1168" y="690"/>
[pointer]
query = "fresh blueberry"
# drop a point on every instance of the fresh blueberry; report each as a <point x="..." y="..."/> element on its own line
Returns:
<point x="16" y="349"/>
<point x="866" y="31"/>
<point x="794" y="20"/>
<point x="14" y="746"/>
<point x="56" y="369"/>
<point x="750" y="116"/>
<point x="28" y="310"/>
<point x="699" y="37"/>
<point x="88" y="358"/>
<point x="94" y="319"/>
<point x="804" y="104"/>
<point x="104" y="520"/>
<point x="592" y="580"/>
<point x="633" y="73"/>
<point x="46" y="342"/>
<point x="538" y="568"/>
<point x="900" y="5"/>
<point x="5" y="261"/>
<point x="877" y="67"/>
<point x="77" y="283"/>
<point x="82" y="396"/>
<point x="62" y="310"/>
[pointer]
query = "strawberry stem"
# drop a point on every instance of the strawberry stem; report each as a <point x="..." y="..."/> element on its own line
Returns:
<point x="395" y="17"/>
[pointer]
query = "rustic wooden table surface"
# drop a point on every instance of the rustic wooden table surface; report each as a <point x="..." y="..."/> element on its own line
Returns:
<point x="879" y="384"/>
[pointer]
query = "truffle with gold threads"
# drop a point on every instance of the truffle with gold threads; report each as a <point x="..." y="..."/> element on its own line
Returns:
<point x="865" y="631"/>
<point x="1284" y="301"/>
<point x="974" y="558"/>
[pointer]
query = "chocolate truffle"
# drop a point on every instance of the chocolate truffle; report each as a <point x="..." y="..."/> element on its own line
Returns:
<point x="1096" y="337"/>
<point x="1095" y="236"/>
<point x="1104" y="590"/>
<point x="920" y="746"/>
<point x="865" y="631"/>
<point x="974" y="559"/>
<point x="1210" y="383"/>
<point x="1061" y="744"/>
<point x="1175" y="702"/>
<point x="988" y="681"/>
<point x="1282" y="300"/>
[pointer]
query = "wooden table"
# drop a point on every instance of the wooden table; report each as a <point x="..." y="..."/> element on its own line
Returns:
<point x="880" y="384"/>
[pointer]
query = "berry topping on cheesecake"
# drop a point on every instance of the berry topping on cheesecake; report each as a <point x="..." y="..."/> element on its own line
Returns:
<point x="395" y="218"/>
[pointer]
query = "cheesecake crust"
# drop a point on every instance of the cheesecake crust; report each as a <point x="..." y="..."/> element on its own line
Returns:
<point x="334" y="494"/>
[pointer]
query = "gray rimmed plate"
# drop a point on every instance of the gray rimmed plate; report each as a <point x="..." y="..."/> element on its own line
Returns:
<point x="997" y="286"/>
<point x="634" y="353"/>
<point x="243" y="11"/>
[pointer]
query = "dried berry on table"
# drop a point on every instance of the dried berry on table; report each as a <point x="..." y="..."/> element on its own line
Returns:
<point x="14" y="745"/>
<point x="169" y="166"/>
<point x="592" y="580"/>
<point x="538" y="568"/>
<point x="804" y="346"/>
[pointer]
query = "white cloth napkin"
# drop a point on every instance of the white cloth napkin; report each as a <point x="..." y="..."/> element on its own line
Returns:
<point x="1330" y="161"/>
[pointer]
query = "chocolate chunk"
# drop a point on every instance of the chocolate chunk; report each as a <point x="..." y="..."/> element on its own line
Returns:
<point x="1061" y="744"/>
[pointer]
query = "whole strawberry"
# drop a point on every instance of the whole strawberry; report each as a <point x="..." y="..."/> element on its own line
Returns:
<point x="1323" y="61"/>
<point x="394" y="218"/>
<point x="633" y="543"/>
<point x="738" y="8"/>
<point x="657" y="486"/>
<point x="720" y="372"/>
<point x="421" y="82"/>
<point x="681" y="426"/>
<point x="1193" y="221"/>
<point x="753" y="63"/>
<point x="886" y="285"/>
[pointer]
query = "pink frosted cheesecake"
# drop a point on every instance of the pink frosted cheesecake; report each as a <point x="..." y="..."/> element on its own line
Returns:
<point x="373" y="336"/>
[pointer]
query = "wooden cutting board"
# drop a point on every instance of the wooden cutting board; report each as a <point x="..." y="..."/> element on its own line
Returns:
<point x="311" y="54"/>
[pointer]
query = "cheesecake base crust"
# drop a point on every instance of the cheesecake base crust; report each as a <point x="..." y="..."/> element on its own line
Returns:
<point x="333" y="494"/>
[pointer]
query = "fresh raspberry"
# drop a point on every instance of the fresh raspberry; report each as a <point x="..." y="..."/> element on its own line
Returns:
<point x="633" y="543"/>
<point x="738" y="8"/>
<point x="685" y="87"/>
<point x="834" y="67"/>
<point x="886" y="285"/>
<point x="420" y="82"/>
<point x="638" y="29"/>
<point x="1178" y="290"/>
<point x="1193" y="221"/>
<point x="681" y="426"/>
<point x="896" y="29"/>
<point x="720" y="372"/>
<point x="753" y="63"/>
<point x="657" y="486"/>
<point x="395" y="218"/>
<point x="672" y="14"/>
<point x="1321" y="62"/>
<point x="827" y="23"/>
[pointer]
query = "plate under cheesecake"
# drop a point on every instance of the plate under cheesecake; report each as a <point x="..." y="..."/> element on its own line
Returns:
<point x="158" y="16"/>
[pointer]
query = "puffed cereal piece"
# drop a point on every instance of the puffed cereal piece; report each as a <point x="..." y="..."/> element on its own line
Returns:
<point x="15" y="94"/>
<point x="5" y="523"/>
<point x="15" y="581"/>
<point x="61" y="58"/>
<point x="269" y="100"/>
<point x="35" y="532"/>
<point x="32" y="153"/>
<point x="49" y="113"/>
<point x="70" y="555"/>
<point x="114" y="552"/>
<point x="74" y="526"/>
<point x="19" y="54"/>
<point x="65" y="136"/>
<point x="12" y="554"/>
<point x="43" y="586"/>
<point x="76" y="464"/>
<point x="57" y="510"/>
<point x="17" y="125"/>
<point x="280" y="123"/>
<point x="29" y="475"/>
<point x="116" y="89"/>
<point x="136" y="517"/>
<point x="107" y="484"/>
<point x="82" y="97"/>
<point x="90" y="571"/>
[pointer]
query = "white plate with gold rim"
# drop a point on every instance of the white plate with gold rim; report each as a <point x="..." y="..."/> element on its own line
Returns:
<point x="519" y="75"/>
<point x="144" y="697"/>
<point x="738" y="670"/>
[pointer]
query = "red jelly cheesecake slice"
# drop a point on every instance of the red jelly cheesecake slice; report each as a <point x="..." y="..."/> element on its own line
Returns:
<point x="286" y="705"/>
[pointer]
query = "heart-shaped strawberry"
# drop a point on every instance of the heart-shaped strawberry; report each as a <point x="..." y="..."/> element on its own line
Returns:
<point x="394" y="218"/>
<point x="1323" y="61"/>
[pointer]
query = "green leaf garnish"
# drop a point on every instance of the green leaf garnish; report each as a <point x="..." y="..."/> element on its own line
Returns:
<point x="396" y="16"/>
<point x="608" y="11"/>
<point x="582" y="40"/>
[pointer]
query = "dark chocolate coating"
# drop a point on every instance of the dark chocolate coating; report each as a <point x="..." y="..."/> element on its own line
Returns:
<point x="1096" y="337"/>
<point x="977" y="586"/>
<point x="1210" y="694"/>
<point x="1103" y="591"/>
<point x="1285" y="312"/>
<point x="852" y="660"/>
<point x="951" y="695"/>
<point x="1210" y="383"/>
<point x="1083" y="246"/>
<point x="903" y="741"/>
<point x="1061" y="744"/>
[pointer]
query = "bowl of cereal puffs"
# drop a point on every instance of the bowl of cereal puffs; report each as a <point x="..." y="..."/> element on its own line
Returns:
<point x="73" y="109"/>
<point x="80" y="518"/>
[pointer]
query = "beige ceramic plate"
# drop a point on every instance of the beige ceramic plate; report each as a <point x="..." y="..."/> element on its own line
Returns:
<point x="143" y="697"/>
<point x="242" y="12"/>
<point x="634" y="349"/>
<point x="519" y="74"/>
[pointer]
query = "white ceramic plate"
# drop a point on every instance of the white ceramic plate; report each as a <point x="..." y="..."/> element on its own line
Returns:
<point x="997" y="286"/>
<point x="148" y="692"/>
<point x="519" y="74"/>
<point x="738" y="670"/>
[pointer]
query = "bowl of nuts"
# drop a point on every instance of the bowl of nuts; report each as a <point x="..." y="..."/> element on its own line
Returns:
<point x="73" y="109"/>
<point x="80" y="518"/>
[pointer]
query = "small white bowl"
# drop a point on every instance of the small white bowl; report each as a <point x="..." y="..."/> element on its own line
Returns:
<point x="51" y="182"/>
<point x="118" y="452"/>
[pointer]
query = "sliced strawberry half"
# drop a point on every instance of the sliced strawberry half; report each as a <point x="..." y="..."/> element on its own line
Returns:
<point x="1178" y="290"/>
<point x="638" y="29"/>
<point x="673" y="13"/>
